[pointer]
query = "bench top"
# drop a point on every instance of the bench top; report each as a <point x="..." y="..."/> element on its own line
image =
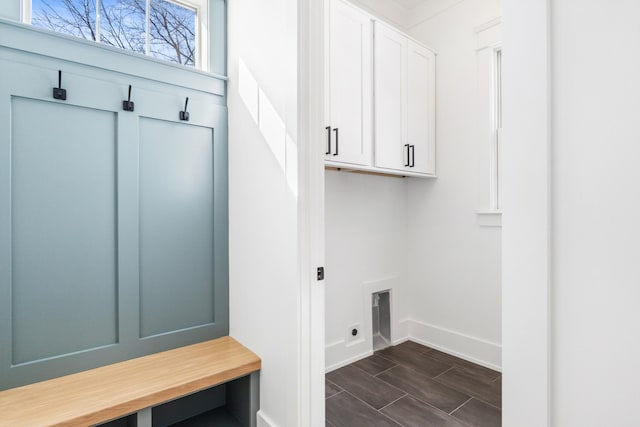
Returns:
<point x="113" y="391"/>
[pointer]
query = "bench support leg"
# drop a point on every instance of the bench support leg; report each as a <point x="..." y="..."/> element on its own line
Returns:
<point x="144" y="418"/>
<point x="254" y="397"/>
<point x="243" y="399"/>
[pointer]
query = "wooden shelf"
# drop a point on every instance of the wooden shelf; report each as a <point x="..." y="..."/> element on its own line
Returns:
<point x="113" y="391"/>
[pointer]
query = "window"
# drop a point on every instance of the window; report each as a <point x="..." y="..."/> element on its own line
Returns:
<point x="496" y="168"/>
<point x="171" y="30"/>
<point x="489" y="122"/>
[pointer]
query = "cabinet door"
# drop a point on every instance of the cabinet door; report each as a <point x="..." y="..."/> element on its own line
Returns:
<point x="421" y="108"/>
<point x="390" y="98"/>
<point x="349" y="86"/>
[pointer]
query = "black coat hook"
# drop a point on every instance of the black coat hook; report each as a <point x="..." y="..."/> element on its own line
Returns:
<point x="58" y="92"/>
<point x="183" y="114"/>
<point x="128" y="104"/>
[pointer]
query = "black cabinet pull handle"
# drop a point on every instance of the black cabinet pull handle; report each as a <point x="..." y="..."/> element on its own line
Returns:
<point x="328" y="128"/>
<point x="337" y="141"/>
<point x="408" y="160"/>
<point x="413" y="155"/>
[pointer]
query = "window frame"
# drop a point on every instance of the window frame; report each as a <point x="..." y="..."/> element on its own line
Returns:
<point x="496" y="149"/>
<point x="488" y="129"/>
<point x="201" y="8"/>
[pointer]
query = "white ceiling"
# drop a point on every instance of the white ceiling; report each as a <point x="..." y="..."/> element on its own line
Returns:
<point x="409" y="4"/>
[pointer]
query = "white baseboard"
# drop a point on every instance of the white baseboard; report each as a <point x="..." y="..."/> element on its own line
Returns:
<point x="464" y="346"/>
<point x="402" y="331"/>
<point x="473" y="349"/>
<point x="264" y="421"/>
<point x="338" y="354"/>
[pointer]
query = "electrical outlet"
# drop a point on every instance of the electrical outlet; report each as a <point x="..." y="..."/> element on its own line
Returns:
<point x="353" y="333"/>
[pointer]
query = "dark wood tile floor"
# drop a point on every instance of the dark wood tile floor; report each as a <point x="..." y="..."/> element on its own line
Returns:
<point x="410" y="385"/>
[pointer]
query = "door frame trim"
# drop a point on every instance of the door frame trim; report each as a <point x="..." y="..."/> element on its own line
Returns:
<point x="311" y="128"/>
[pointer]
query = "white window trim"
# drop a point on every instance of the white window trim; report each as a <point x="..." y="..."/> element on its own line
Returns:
<point x="202" y="29"/>
<point x="488" y="44"/>
<point x="495" y="167"/>
<point x="26" y="11"/>
<point x="202" y="26"/>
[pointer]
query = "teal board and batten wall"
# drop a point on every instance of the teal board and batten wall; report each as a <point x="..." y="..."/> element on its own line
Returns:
<point x="113" y="224"/>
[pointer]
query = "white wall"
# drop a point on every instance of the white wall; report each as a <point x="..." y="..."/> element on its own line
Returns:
<point x="366" y="233"/>
<point x="264" y="282"/>
<point x="454" y="264"/>
<point x="595" y="209"/>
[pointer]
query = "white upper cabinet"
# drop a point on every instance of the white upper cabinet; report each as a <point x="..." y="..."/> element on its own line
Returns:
<point x="349" y="85"/>
<point x="390" y="98"/>
<point x="404" y="103"/>
<point x="421" y="108"/>
<point x="380" y="103"/>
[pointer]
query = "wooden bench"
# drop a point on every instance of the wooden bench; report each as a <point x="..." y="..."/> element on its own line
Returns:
<point x="195" y="378"/>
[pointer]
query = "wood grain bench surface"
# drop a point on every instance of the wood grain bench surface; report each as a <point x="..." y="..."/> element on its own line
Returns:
<point x="113" y="391"/>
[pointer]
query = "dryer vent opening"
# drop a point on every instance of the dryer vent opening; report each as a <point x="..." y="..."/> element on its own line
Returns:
<point x="381" y="319"/>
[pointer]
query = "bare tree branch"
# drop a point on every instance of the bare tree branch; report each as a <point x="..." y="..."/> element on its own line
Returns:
<point x="122" y="24"/>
